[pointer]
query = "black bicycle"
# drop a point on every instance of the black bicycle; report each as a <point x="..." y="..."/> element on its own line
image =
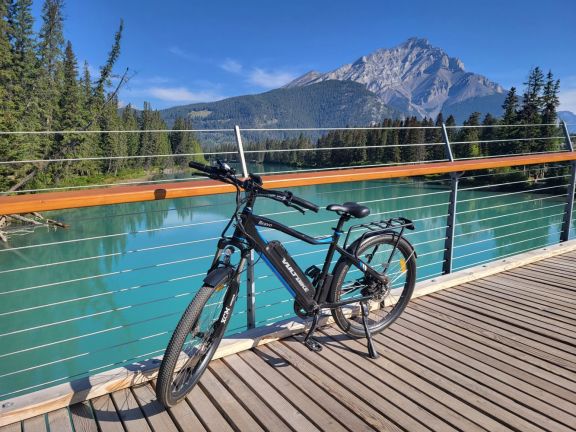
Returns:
<point x="366" y="290"/>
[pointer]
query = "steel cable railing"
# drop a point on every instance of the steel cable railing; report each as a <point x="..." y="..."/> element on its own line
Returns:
<point x="127" y="280"/>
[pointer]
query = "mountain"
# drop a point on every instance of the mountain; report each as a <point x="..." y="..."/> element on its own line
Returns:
<point x="324" y="104"/>
<point x="570" y="118"/>
<point x="415" y="78"/>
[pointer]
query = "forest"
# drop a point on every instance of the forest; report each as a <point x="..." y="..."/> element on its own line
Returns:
<point x="43" y="88"/>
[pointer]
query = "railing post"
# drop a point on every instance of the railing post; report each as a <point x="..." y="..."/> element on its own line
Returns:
<point x="241" y="150"/>
<point x="448" y="149"/>
<point x="569" y="208"/>
<point x="450" y="230"/>
<point x="250" y="293"/>
<point x="569" y="144"/>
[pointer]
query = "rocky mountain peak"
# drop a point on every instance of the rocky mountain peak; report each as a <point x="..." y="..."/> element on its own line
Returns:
<point x="413" y="77"/>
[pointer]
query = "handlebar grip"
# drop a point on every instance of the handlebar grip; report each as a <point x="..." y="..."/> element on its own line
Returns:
<point x="200" y="167"/>
<point x="306" y="204"/>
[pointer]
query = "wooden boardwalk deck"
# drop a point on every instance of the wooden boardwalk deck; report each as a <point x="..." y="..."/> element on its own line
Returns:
<point x="495" y="354"/>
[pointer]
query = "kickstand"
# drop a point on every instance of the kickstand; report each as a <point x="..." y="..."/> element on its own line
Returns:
<point x="372" y="353"/>
<point x="311" y="343"/>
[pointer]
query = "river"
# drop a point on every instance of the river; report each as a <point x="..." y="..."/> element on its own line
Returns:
<point x="110" y="289"/>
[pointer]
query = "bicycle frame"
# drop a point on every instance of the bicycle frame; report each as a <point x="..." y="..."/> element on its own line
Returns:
<point x="310" y="296"/>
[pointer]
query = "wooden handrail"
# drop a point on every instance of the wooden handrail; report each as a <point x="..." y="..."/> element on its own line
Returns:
<point x="127" y="194"/>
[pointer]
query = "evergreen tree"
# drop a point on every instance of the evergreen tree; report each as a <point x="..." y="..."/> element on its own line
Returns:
<point x="469" y="136"/>
<point x="51" y="43"/>
<point x="184" y="142"/>
<point x="70" y="118"/>
<point x="530" y="114"/>
<point x="22" y="89"/>
<point x="437" y="152"/>
<point x="488" y="133"/>
<point x="511" y="117"/>
<point x="7" y="108"/>
<point x="550" y="103"/>
<point x="130" y="122"/>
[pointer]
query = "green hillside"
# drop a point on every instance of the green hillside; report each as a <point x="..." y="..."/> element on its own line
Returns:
<point x="326" y="104"/>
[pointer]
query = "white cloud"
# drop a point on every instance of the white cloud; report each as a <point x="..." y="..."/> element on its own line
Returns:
<point x="182" y="94"/>
<point x="149" y="80"/>
<point x="567" y="94"/>
<point x="177" y="51"/>
<point x="232" y="66"/>
<point x="270" y="79"/>
<point x="568" y="100"/>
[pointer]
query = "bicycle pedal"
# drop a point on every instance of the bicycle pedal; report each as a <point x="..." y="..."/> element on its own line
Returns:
<point x="313" y="345"/>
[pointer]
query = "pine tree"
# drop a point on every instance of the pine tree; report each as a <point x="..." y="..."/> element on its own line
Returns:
<point x="488" y="133"/>
<point x="184" y="142"/>
<point x="550" y="103"/>
<point x="70" y="118"/>
<point x="437" y="152"/>
<point x="470" y="148"/>
<point x="22" y="89"/>
<point x="8" y="120"/>
<point x="511" y="117"/>
<point x="130" y="122"/>
<point x="530" y="114"/>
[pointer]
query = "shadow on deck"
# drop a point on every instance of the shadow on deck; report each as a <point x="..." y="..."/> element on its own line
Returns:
<point x="495" y="354"/>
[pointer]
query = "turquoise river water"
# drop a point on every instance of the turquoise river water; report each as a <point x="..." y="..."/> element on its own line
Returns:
<point x="108" y="290"/>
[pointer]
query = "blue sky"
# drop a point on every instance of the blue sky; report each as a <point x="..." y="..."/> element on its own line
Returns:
<point x="190" y="51"/>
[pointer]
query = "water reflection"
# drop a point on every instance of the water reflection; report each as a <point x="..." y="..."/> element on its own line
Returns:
<point x="86" y="297"/>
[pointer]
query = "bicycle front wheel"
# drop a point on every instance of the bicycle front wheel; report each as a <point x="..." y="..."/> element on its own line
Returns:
<point x="192" y="345"/>
<point x="388" y="255"/>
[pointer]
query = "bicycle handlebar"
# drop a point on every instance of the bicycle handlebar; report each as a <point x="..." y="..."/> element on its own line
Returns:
<point x="224" y="172"/>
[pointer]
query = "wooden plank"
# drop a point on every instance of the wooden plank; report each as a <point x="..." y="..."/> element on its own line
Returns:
<point x="314" y="411"/>
<point x="524" y="297"/>
<point x="205" y="409"/>
<point x="126" y="194"/>
<point x="528" y="313"/>
<point x="548" y="276"/>
<point x="35" y="424"/>
<point x="554" y="336"/>
<point x="448" y="408"/>
<point x="502" y="334"/>
<point x="186" y="418"/>
<point x="155" y="413"/>
<point x="227" y="404"/>
<point x="14" y="427"/>
<point x="561" y="286"/>
<point x="558" y="383"/>
<point x="282" y="407"/>
<point x="515" y="335"/>
<point x="528" y="406"/>
<point x="82" y="418"/>
<point x="129" y="411"/>
<point x="508" y="380"/>
<point x="531" y="288"/>
<point x="490" y="401"/>
<point x="106" y="415"/>
<point x="250" y="400"/>
<point x="59" y="420"/>
<point x="333" y="385"/>
<point x="346" y="415"/>
<point x="383" y="396"/>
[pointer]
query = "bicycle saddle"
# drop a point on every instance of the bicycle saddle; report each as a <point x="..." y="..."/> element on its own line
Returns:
<point x="350" y="208"/>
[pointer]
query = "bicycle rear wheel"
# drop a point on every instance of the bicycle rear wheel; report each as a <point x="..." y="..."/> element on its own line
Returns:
<point x="388" y="301"/>
<point x="192" y="345"/>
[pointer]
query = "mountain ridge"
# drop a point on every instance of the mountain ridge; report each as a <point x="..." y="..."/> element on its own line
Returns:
<point x="414" y="77"/>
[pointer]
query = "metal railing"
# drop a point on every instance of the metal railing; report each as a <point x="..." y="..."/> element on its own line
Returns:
<point x="109" y="290"/>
